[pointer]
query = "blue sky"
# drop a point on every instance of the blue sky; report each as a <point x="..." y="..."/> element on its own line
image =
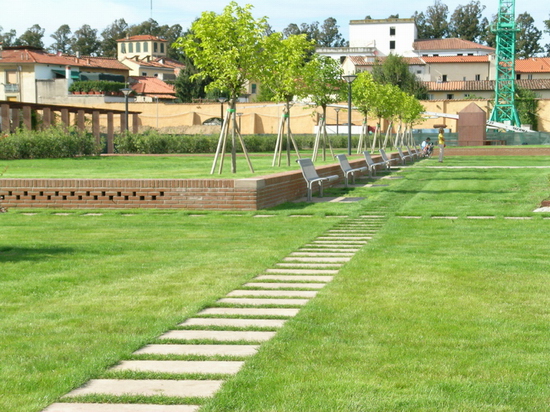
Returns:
<point x="50" y="14"/>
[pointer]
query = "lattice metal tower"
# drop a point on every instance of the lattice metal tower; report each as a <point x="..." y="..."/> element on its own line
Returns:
<point x="505" y="30"/>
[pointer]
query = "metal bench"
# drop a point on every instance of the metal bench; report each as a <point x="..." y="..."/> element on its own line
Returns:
<point x="386" y="159"/>
<point x="348" y="170"/>
<point x="404" y="157"/>
<point x="371" y="164"/>
<point x="311" y="177"/>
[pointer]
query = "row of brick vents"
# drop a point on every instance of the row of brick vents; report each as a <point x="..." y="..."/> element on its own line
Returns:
<point x="234" y="328"/>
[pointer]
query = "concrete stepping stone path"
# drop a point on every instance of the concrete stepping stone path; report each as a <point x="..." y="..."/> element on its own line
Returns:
<point x="267" y="302"/>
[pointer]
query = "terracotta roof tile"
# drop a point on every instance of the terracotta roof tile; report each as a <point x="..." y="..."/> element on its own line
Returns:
<point x="456" y="59"/>
<point x="369" y="61"/>
<point x="484" y="85"/>
<point x="23" y="56"/>
<point x="533" y="65"/>
<point x="449" y="44"/>
<point x="151" y="86"/>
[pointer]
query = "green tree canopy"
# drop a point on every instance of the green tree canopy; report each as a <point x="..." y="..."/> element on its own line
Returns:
<point x="433" y="24"/>
<point x="115" y="31"/>
<point x="62" y="37"/>
<point x="467" y="22"/>
<point x="229" y="47"/>
<point x="322" y="82"/>
<point x="528" y="37"/>
<point x="7" y="38"/>
<point x="85" y="41"/>
<point x="325" y="35"/>
<point x="394" y="69"/>
<point x="283" y="71"/>
<point x="32" y="37"/>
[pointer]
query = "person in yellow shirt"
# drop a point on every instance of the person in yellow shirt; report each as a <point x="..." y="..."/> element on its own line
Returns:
<point x="441" y="143"/>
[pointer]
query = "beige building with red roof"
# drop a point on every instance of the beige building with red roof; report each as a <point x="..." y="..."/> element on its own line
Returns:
<point x="32" y="75"/>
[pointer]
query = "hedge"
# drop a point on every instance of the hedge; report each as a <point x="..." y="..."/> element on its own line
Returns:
<point x="55" y="142"/>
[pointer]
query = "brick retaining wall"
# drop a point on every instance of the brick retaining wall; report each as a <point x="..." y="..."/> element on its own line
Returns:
<point x="199" y="194"/>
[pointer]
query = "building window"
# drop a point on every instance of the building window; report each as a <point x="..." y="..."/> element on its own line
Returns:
<point x="470" y="54"/>
<point x="130" y="47"/>
<point x="431" y="96"/>
<point x="392" y="31"/>
<point x="450" y="96"/>
<point x="392" y="44"/>
<point x="529" y="77"/>
<point x="466" y="95"/>
<point x="144" y="74"/>
<point x="138" y="47"/>
<point x="460" y="54"/>
<point x="518" y="76"/>
<point x="155" y="47"/>
<point x="444" y="78"/>
<point x="464" y="79"/>
<point x="254" y="88"/>
<point x="478" y="77"/>
<point x="123" y="47"/>
<point x="145" y="46"/>
<point x="162" y="47"/>
<point x="11" y="77"/>
<point x="156" y="75"/>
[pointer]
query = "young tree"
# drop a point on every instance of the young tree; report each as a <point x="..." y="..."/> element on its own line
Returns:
<point x="32" y="37"/>
<point x="230" y="49"/>
<point x="62" y="37"/>
<point x="282" y="75"/>
<point x="467" y="22"/>
<point x="116" y="31"/>
<point x="527" y="37"/>
<point x="323" y="85"/>
<point x="527" y="107"/>
<point x="85" y="42"/>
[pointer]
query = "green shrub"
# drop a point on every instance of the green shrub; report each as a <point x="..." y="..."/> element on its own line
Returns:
<point x="153" y="142"/>
<point x="55" y="142"/>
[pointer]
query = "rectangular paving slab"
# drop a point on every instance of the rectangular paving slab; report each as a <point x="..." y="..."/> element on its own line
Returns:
<point x="285" y="285"/>
<point x="218" y="335"/>
<point x="272" y="293"/>
<point x="296" y="278"/>
<point x="316" y="259"/>
<point x="177" y="367"/>
<point x="304" y="271"/>
<point x="306" y="265"/>
<point x="238" y="323"/>
<point x="251" y="311"/>
<point x="200" y="350"/>
<point x="149" y="387"/>
<point x="118" y="407"/>
<point x="260" y="302"/>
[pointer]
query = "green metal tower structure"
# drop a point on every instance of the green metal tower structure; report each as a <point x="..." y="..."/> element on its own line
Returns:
<point x="505" y="29"/>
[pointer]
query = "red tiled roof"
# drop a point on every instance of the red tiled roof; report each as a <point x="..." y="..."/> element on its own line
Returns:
<point x="484" y="85"/>
<point x="22" y="56"/>
<point x="449" y="44"/>
<point x="456" y="59"/>
<point x="151" y="86"/>
<point x="533" y="65"/>
<point x="364" y="61"/>
<point x="142" y="37"/>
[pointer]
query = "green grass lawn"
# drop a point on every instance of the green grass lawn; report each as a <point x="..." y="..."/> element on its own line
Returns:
<point x="432" y="315"/>
<point x="150" y="167"/>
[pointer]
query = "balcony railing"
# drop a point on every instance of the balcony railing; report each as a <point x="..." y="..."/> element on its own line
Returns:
<point x="11" y="88"/>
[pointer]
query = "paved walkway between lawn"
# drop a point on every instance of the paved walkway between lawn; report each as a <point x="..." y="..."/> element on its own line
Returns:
<point x="264" y="305"/>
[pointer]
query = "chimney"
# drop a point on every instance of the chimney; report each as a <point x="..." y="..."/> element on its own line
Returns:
<point x="68" y="77"/>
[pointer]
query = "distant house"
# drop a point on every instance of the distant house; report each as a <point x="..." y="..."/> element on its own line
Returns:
<point x="146" y="56"/>
<point x="533" y="68"/>
<point x="30" y="74"/>
<point x="151" y="88"/>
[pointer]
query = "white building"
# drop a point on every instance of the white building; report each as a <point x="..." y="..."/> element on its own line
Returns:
<point x="385" y="35"/>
